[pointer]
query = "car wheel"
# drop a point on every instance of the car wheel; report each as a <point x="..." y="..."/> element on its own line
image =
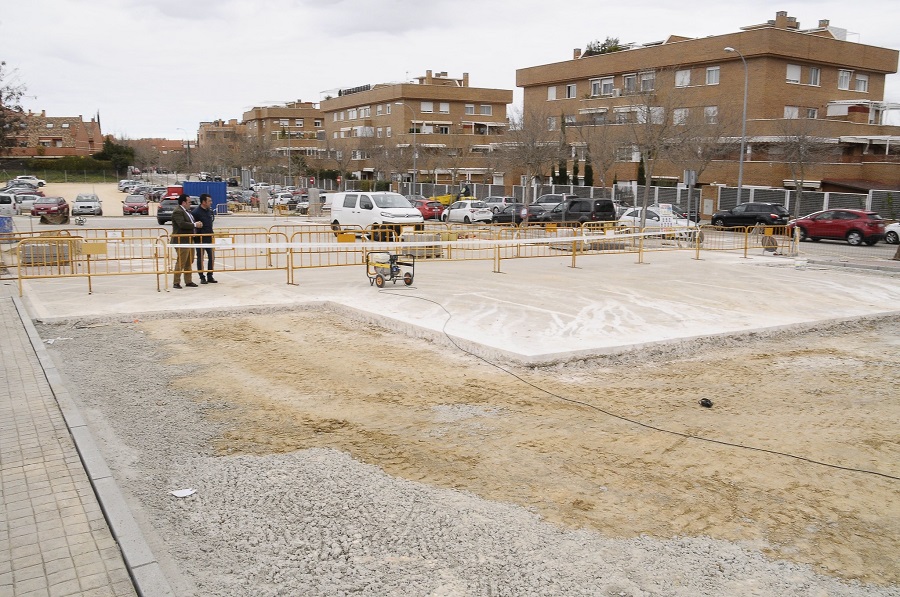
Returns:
<point x="803" y="234"/>
<point x="891" y="238"/>
<point x="854" y="238"/>
<point x="467" y="220"/>
<point x="719" y="222"/>
<point x="100" y="212"/>
<point x="496" y="210"/>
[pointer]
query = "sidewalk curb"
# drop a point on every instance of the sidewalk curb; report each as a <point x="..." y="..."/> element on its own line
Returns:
<point x="145" y="571"/>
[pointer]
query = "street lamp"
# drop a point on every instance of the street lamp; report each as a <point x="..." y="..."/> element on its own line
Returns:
<point x="743" y="124"/>
<point x="415" y="128"/>
<point x="188" y="145"/>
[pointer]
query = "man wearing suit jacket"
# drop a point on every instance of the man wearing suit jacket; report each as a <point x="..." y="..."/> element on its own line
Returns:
<point x="183" y="225"/>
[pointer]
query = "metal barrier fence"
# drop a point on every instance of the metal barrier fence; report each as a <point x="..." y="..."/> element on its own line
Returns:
<point x="289" y="247"/>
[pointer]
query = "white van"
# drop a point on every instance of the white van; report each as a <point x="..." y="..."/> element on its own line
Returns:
<point x="366" y="209"/>
<point x="8" y="205"/>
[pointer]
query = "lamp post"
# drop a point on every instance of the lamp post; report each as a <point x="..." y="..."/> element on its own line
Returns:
<point x="188" y="146"/>
<point x="743" y="124"/>
<point x="415" y="152"/>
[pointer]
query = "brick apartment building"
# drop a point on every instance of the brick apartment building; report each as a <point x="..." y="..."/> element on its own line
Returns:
<point x="371" y="130"/>
<point x="42" y="136"/>
<point x="294" y="128"/>
<point x="814" y="79"/>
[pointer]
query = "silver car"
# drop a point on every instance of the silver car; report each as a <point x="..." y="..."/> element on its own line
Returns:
<point x="87" y="204"/>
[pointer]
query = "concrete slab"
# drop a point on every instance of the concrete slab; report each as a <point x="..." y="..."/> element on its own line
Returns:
<point x="537" y="311"/>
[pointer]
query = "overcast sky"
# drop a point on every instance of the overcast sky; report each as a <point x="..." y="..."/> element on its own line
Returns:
<point x="153" y="67"/>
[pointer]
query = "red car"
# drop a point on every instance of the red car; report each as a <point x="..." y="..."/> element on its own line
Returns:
<point x="135" y="204"/>
<point x="428" y="208"/>
<point x="49" y="206"/>
<point x="856" y="226"/>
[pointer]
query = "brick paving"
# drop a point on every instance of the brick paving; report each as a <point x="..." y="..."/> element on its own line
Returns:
<point x="54" y="540"/>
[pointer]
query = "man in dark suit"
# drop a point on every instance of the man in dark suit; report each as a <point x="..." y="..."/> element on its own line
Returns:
<point x="183" y="226"/>
<point x="203" y="213"/>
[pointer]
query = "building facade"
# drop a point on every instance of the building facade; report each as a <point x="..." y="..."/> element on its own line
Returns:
<point x="42" y="136"/>
<point x="808" y="86"/>
<point x="437" y="129"/>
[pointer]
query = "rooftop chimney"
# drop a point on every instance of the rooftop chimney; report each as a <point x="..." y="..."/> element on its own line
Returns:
<point x="465" y="79"/>
<point x="576" y="53"/>
<point x="823" y="23"/>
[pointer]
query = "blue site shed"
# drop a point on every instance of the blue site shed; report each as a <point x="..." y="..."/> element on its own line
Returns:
<point x="217" y="190"/>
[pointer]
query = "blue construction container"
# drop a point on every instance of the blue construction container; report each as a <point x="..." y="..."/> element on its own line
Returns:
<point x="217" y="190"/>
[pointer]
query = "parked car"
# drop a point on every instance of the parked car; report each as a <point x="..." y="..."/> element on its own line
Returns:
<point x="856" y="226"/>
<point x="87" y="204"/>
<point x="50" y="206"/>
<point x="467" y="211"/>
<point x="575" y="209"/>
<point x="33" y="180"/>
<point x="551" y="200"/>
<point x="892" y="233"/>
<point x="125" y="185"/>
<point x="512" y="213"/>
<point x="26" y="201"/>
<point x="136" y="204"/>
<point x="21" y="184"/>
<point x="283" y="199"/>
<point x="24" y="190"/>
<point x="8" y="205"/>
<point x="379" y="208"/>
<point x="751" y="214"/>
<point x="632" y="218"/>
<point x="431" y="210"/>
<point x="497" y="202"/>
<point x="167" y="206"/>
<point x="233" y="182"/>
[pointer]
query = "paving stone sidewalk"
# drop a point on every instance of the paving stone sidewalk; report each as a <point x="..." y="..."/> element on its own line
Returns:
<point x="54" y="540"/>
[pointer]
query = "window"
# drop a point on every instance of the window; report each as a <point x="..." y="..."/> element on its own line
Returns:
<point x="598" y="118"/>
<point x="341" y="117"/>
<point x="570" y="120"/>
<point x="427" y="107"/>
<point x="387" y="108"/>
<point x="571" y="91"/>
<point x="445" y="107"/>
<point x="606" y="86"/>
<point x="844" y="79"/>
<point x="379" y="109"/>
<point x="814" y="74"/>
<point x="629" y="83"/>
<point x="49" y="125"/>
<point x="812" y="112"/>
<point x="65" y="125"/>
<point x="711" y="114"/>
<point x="470" y="108"/>
<point x="317" y="123"/>
<point x="680" y="116"/>
<point x="595" y="87"/>
<point x="334" y="117"/>
<point x="351" y="114"/>
<point x="552" y="123"/>
<point x="862" y="83"/>
<point x="793" y="73"/>
<point x="443" y="129"/>
<point x="387" y="131"/>
<point x="648" y="81"/>
<point x="791" y="112"/>
<point x="378" y="132"/>
<point x="365" y="112"/>
<point x="551" y="93"/>
<point x="683" y="77"/>
<point x="284" y="122"/>
<point x="712" y="75"/>
<point x="656" y="114"/>
<point x="298" y="122"/>
<point x="486" y="110"/>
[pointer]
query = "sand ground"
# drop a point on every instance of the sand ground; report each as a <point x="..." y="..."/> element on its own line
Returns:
<point x="575" y="443"/>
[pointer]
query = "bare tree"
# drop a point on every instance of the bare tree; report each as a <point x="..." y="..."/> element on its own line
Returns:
<point x="11" y="112"/>
<point x="804" y="145"/>
<point x="531" y="145"/>
<point x="602" y="140"/>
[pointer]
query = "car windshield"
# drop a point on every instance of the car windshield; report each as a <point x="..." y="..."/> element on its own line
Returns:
<point x="391" y="200"/>
<point x="86" y="198"/>
<point x="47" y="200"/>
<point x="479" y="204"/>
<point x="137" y="199"/>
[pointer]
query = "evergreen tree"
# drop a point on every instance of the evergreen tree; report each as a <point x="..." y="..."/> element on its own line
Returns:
<point x="588" y="174"/>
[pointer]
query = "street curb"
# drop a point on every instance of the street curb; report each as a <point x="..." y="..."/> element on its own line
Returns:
<point x="146" y="573"/>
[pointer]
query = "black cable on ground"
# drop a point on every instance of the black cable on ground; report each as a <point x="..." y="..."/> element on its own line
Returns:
<point x="633" y="421"/>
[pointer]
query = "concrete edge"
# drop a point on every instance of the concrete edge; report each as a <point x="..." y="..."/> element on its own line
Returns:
<point x="146" y="573"/>
<point x="482" y="351"/>
<point x="887" y="267"/>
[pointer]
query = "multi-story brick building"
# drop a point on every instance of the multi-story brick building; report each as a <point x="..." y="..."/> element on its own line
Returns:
<point x="45" y="136"/>
<point x="814" y="79"/>
<point x="228" y="133"/>
<point x="291" y="128"/>
<point x="371" y="130"/>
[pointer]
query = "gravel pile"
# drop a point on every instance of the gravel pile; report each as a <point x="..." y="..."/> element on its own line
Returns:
<point x="318" y="523"/>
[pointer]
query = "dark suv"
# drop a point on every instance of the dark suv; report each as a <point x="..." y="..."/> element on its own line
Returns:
<point x="581" y="211"/>
<point x="167" y="206"/>
<point x="751" y="214"/>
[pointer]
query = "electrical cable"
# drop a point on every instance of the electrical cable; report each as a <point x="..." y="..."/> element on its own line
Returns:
<point x="634" y="421"/>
